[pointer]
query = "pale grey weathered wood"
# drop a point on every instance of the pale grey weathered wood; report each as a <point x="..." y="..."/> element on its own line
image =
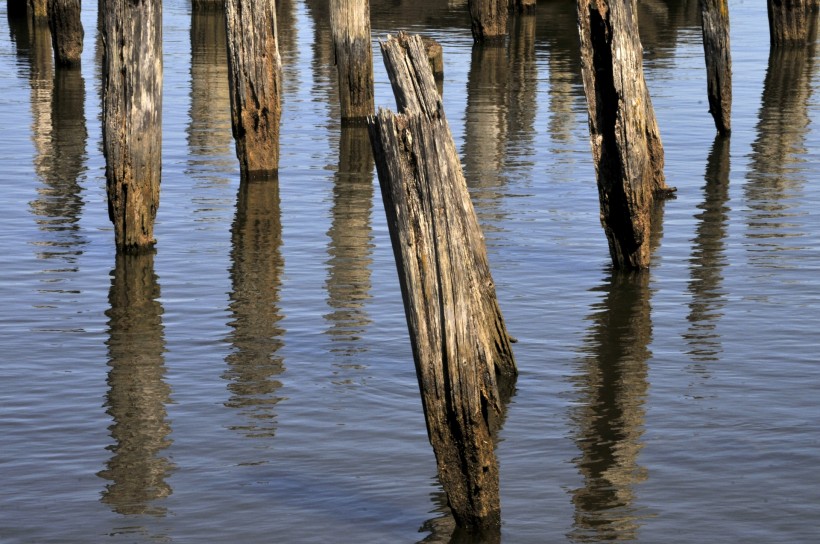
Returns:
<point x="132" y="118"/>
<point x="350" y="26"/>
<point x="715" y="22"/>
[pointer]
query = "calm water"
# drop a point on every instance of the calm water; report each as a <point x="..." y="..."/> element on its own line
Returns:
<point x="252" y="380"/>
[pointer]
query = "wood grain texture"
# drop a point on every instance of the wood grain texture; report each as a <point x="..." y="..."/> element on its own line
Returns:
<point x="718" y="55"/>
<point x="66" y="31"/>
<point x="350" y="27"/>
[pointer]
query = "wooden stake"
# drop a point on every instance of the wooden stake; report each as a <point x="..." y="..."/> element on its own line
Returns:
<point x="132" y="118"/>
<point x="715" y="20"/>
<point x="626" y="146"/>
<point x="489" y="19"/>
<point x="350" y="26"/>
<point x="66" y="31"/>
<point x="524" y="7"/>
<point x="458" y="336"/>
<point x="255" y="76"/>
<point x="792" y="22"/>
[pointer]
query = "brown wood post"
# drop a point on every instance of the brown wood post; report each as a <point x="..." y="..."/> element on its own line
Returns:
<point x="715" y="21"/>
<point x="207" y="5"/>
<point x="350" y="26"/>
<point x="525" y="7"/>
<point x="457" y="333"/>
<point x="791" y="22"/>
<point x="255" y="76"/>
<point x="38" y="9"/>
<point x="489" y="19"/>
<point x="66" y="31"/>
<point x="626" y="146"/>
<point x="435" y="54"/>
<point x="132" y="118"/>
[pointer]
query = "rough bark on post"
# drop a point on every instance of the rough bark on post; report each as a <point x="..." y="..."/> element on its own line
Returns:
<point x="791" y="21"/>
<point x="715" y="21"/>
<point x="132" y="118"/>
<point x="457" y="333"/>
<point x="489" y="19"/>
<point x="623" y="130"/>
<point x="255" y="76"/>
<point x="66" y="31"/>
<point x="350" y="26"/>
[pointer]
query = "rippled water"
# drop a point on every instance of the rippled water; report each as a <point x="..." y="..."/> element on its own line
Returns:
<point x="252" y="380"/>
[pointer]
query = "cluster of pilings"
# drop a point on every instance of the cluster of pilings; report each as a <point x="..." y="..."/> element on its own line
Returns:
<point x="461" y="348"/>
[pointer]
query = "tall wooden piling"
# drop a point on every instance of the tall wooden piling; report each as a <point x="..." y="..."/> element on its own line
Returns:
<point x="715" y="21"/>
<point x="255" y="76"/>
<point x="458" y="335"/>
<point x="625" y="142"/>
<point x="350" y="26"/>
<point x="66" y="31"/>
<point x="489" y="19"/>
<point x="132" y="118"/>
<point x="792" y="22"/>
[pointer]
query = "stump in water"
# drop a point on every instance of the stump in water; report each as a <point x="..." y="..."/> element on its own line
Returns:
<point x="458" y="334"/>
<point x="489" y="19"/>
<point x="255" y="76"/>
<point x="626" y="145"/>
<point x="66" y="31"/>
<point x="132" y="118"/>
<point x="791" y="22"/>
<point x="350" y="26"/>
<point x="715" y="20"/>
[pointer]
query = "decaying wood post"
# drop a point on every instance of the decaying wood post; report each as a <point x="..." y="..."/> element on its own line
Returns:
<point x="435" y="54"/>
<point x="525" y="7"/>
<point x="489" y="19"/>
<point x="626" y="145"/>
<point x="791" y="21"/>
<point x="38" y="9"/>
<point x="715" y="21"/>
<point x="350" y="26"/>
<point x="255" y="76"/>
<point x="66" y="31"/>
<point x="132" y="118"/>
<point x="457" y="332"/>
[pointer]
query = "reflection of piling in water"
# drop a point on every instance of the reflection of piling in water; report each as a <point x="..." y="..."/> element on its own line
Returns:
<point x="792" y="22"/>
<point x="775" y="177"/>
<point x="350" y="28"/>
<point x="255" y="76"/>
<point x="708" y="257"/>
<point x="350" y="245"/>
<point x="457" y="333"/>
<point x="132" y="119"/>
<point x="256" y="269"/>
<point x="626" y="147"/>
<point x="489" y="20"/>
<point x="66" y="31"/>
<point x="613" y="385"/>
<point x="715" y="22"/>
<point x="137" y="392"/>
<point x="522" y="86"/>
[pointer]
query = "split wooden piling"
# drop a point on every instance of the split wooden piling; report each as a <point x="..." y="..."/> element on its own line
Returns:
<point x="66" y="31"/>
<point x="255" y="76"/>
<point x="715" y="22"/>
<point x="488" y="20"/>
<point x="792" y="22"/>
<point x="132" y="118"/>
<point x="459" y="339"/>
<point x="350" y="27"/>
<point x="625" y="140"/>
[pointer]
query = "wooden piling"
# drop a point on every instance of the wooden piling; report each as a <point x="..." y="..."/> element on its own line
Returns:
<point x="66" y="31"/>
<point x="255" y="76"/>
<point x="715" y="23"/>
<point x="350" y="27"/>
<point x="38" y="9"/>
<point x="489" y="20"/>
<point x="458" y="335"/>
<point x="626" y="146"/>
<point x="791" y="22"/>
<point x="435" y="54"/>
<point x="132" y="118"/>
<point x="524" y="7"/>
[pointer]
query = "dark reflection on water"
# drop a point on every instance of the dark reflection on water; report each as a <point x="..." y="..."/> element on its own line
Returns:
<point x="708" y="259"/>
<point x="612" y="384"/>
<point x="776" y="175"/>
<point x="254" y="364"/>
<point x="350" y="245"/>
<point x="137" y="392"/>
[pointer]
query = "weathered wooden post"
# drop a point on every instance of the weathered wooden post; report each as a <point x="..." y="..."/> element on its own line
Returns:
<point x="791" y="21"/>
<point x="132" y="118"/>
<point x="255" y="75"/>
<point x="435" y="54"/>
<point x="489" y="19"/>
<point x="458" y="335"/>
<point x="524" y="7"/>
<point x="66" y="31"/>
<point x="715" y="21"/>
<point x="626" y="146"/>
<point x="38" y="9"/>
<point x="350" y="26"/>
